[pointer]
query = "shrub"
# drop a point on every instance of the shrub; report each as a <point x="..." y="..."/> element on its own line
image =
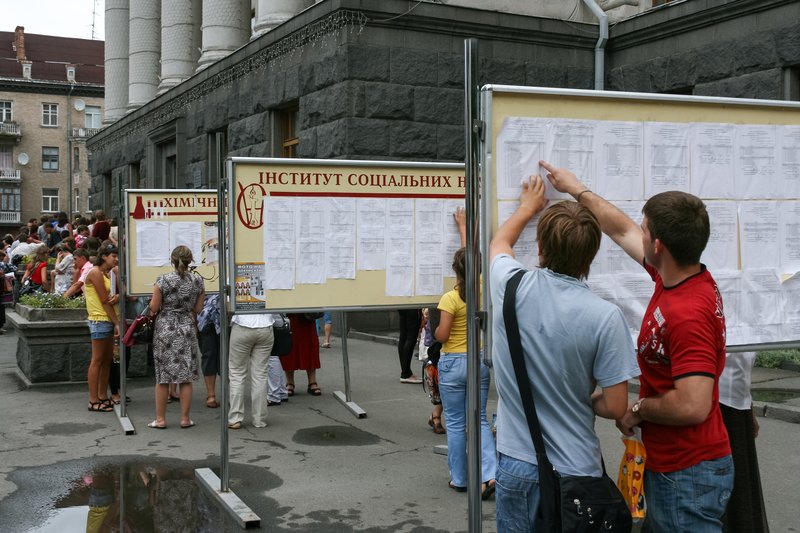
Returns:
<point x="774" y="358"/>
<point x="46" y="300"/>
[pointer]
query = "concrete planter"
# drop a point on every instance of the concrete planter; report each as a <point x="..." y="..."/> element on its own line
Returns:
<point x="54" y="345"/>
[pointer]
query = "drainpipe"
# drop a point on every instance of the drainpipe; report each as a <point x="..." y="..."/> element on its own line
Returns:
<point x="69" y="151"/>
<point x="600" y="47"/>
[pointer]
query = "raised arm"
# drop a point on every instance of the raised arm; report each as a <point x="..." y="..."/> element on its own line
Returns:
<point x="614" y="223"/>
<point x="531" y="201"/>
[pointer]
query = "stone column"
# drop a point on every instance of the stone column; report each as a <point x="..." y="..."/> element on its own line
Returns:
<point x="116" y="60"/>
<point x="178" y="49"/>
<point x="145" y="51"/>
<point x="271" y="13"/>
<point x="226" y="27"/>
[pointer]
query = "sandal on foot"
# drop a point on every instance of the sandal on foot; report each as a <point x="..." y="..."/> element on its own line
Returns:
<point x="326" y="345"/>
<point x="211" y="402"/>
<point x="235" y="425"/>
<point x="314" y="390"/>
<point x="290" y="389"/>
<point x="456" y="488"/>
<point x="172" y="398"/>
<point x="189" y="424"/>
<point x="436" y="423"/>
<point x="155" y="425"/>
<point x="488" y="490"/>
<point x="100" y="407"/>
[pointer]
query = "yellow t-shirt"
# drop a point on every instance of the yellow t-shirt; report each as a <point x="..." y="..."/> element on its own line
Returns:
<point x="95" y="309"/>
<point x="452" y="303"/>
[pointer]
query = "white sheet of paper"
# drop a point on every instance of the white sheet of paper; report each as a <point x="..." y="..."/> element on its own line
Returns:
<point x="721" y="252"/>
<point x="791" y="295"/>
<point x="789" y="146"/>
<point x="311" y="241"/>
<point x="526" y="249"/>
<point x="371" y="233"/>
<point x="571" y="145"/>
<point x="399" y="274"/>
<point x="187" y="234"/>
<point x="761" y="297"/>
<point x="429" y="219"/>
<point x="789" y="216"/>
<point x="619" y="149"/>
<point x="712" y="168"/>
<point x="611" y="259"/>
<point x="520" y="145"/>
<point x="729" y="283"/>
<point x="758" y="234"/>
<point x="152" y="244"/>
<point x="340" y="240"/>
<point x="633" y="293"/>
<point x="756" y="161"/>
<point x="279" y="242"/>
<point x="666" y="156"/>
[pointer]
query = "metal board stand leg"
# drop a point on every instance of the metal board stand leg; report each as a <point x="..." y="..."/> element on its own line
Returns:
<point x="218" y="487"/>
<point x="345" y="398"/>
<point x="122" y="408"/>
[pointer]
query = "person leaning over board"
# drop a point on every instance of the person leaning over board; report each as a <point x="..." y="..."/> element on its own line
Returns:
<point x="681" y="350"/>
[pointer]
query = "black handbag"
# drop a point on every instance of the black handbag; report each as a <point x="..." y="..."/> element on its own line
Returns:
<point x="283" y="336"/>
<point x="567" y="503"/>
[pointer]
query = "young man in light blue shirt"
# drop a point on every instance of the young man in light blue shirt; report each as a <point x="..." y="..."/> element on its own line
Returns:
<point x="573" y="342"/>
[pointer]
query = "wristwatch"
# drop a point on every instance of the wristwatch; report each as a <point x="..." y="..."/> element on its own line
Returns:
<point x="637" y="406"/>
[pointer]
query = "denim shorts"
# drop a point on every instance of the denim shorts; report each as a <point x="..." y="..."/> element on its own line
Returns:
<point x="101" y="329"/>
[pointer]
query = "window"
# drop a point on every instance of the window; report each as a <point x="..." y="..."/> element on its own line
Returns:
<point x="5" y="111"/>
<point x="76" y="159"/>
<point x="49" y="158"/>
<point x="77" y="207"/>
<point x="49" y="114"/>
<point x="92" y="116"/>
<point x="288" y="131"/>
<point x="10" y="199"/>
<point x="49" y="200"/>
<point x="217" y="152"/>
<point x="6" y="159"/>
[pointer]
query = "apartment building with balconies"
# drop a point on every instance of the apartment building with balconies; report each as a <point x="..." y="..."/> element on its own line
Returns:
<point x="51" y="102"/>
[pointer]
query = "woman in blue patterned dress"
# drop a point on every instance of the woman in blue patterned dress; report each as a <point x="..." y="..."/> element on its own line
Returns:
<point x="177" y="298"/>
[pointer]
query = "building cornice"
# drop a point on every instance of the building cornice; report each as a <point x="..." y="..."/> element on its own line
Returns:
<point x="679" y="18"/>
<point x="20" y="85"/>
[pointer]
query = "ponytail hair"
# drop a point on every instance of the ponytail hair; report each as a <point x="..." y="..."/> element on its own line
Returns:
<point x="181" y="258"/>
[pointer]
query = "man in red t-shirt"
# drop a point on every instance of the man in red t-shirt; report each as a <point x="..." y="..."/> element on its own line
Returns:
<point x="681" y="351"/>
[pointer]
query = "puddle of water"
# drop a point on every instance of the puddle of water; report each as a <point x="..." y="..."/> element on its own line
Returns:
<point x="335" y="436"/>
<point x="774" y="395"/>
<point x="142" y="495"/>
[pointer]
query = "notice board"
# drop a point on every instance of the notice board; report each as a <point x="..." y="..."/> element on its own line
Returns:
<point x="159" y="220"/>
<point x="742" y="157"/>
<point x="338" y="234"/>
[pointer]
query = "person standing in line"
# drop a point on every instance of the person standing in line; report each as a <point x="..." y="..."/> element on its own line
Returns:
<point x="177" y="298"/>
<point x="250" y="346"/>
<point x="410" y="322"/>
<point x="304" y="354"/>
<point x="208" y="328"/>
<point x="327" y="329"/>
<point x="276" y="377"/>
<point x="62" y="271"/>
<point x="103" y="327"/>
<point x="681" y="349"/>
<point x="746" y="512"/>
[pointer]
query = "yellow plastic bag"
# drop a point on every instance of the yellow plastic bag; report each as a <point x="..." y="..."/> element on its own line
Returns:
<point x="631" y="474"/>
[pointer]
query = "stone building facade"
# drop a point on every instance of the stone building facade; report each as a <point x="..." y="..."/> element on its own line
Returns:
<point x="51" y="102"/>
<point x="384" y="80"/>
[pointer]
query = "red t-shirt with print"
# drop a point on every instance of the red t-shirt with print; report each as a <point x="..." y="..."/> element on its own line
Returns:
<point x="682" y="334"/>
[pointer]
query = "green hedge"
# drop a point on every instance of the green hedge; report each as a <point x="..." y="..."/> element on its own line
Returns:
<point x="46" y="300"/>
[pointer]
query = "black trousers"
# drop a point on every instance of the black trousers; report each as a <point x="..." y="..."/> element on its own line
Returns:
<point x="410" y="320"/>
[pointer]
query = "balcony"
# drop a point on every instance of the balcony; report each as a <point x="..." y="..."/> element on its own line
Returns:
<point x="10" y="217"/>
<point x="10" y="175"/>
<point x="10" y="130"/>
<point x="84" y="133"/>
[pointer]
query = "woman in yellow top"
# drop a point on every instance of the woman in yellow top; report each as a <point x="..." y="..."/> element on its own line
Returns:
<point x="103" y="326"/>
<point x="452" y="333"/>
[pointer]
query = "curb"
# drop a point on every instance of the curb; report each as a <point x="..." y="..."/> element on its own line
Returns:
<point x="364" y="336"/>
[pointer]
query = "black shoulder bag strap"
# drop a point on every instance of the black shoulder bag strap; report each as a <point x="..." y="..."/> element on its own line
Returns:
<point x="520" y="371"/>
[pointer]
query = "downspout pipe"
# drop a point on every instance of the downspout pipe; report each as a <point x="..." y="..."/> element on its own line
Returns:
<point x="600" y="47"/>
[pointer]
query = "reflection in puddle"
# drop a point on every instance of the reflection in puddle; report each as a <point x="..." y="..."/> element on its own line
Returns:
<point x="146" y="495"/>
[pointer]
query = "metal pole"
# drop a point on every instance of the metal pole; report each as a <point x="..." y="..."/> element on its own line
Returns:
<point x="345" y="359"/>
<point x="472" y="127"/>
<point x="224" y="475"/>
<point x="122" y="214"/>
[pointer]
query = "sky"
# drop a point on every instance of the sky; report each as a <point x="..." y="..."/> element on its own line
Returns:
<point x="64" y="18"/>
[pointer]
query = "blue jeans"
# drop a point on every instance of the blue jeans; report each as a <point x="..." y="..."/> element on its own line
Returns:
<point x="453" y="390"/>
<point x="517" y="494"/>
<point x="692" y="499"/>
